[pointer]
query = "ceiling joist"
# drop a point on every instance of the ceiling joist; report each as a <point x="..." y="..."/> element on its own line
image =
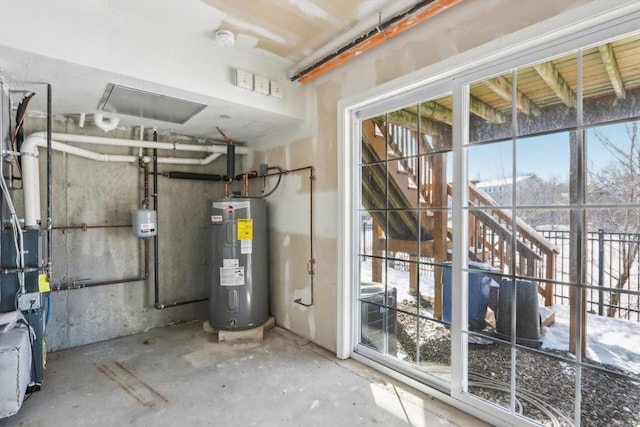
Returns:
<point x="504" y="89"/>
<point x="611" y="65"/>
<point x="409" y="120"/>
<point x="485" y="111"/>
<point x="556" y="83"/>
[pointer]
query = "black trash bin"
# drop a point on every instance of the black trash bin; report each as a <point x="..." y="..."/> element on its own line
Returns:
<point x="372" y="317"/>
<point x="527" y="313"/>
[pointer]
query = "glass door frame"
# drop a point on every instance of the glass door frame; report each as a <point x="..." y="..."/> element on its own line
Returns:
<point x="454" y="75"/>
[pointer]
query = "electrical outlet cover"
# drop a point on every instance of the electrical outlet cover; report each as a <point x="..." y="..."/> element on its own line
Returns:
<point x="262" y="85"/>
<point x="244" y="79"/>
<point x="276" y="89"/>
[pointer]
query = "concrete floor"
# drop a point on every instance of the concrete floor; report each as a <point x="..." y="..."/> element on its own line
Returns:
<point x="181" y="376"/>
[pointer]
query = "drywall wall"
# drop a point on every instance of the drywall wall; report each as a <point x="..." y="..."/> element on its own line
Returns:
<point x="98" y="193"/>
<point x="465" y="26"/>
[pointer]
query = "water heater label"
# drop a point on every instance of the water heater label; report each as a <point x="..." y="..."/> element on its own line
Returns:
<point x="230" y="262"/>
<point x="245" y="229"/>
<point x="216" y="219"/>
<point x="148" y="227"/>
<point x="246" y="246"/>
<point x="231" y="276"/>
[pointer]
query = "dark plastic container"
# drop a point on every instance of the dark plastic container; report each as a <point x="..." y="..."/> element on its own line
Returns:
<point x="372" y="315"/>
<point x="480" y="285"/>
<point x="527" y="313"/>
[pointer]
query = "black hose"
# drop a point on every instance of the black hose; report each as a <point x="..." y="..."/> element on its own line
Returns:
<point x="276" y="186"/>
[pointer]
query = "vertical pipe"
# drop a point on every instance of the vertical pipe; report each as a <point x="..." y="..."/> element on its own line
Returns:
<point x="49" y="186"/>
<point x="156" y="279"/>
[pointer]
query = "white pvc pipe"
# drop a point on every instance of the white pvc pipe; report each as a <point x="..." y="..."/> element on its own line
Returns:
<point x="30" y="164"/>
<point x="106" y="124"/>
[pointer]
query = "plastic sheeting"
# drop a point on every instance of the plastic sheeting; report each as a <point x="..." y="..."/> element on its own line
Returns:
<point x="15" y="368"/>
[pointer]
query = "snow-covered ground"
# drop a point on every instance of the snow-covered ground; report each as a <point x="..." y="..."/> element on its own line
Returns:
<point x="610" y="341"/>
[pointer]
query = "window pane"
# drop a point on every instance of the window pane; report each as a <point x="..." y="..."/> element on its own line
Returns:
<point x="620" y="397"/>
<point x="547" y="405"/>
<point x="402" y="184"/>
<point x="611" y="81"/>
<point x="435" y="124"/>
<point x="546" y="97"/>
<point x="434" y="348"/>
<point x="613" y="167"/>
<point x="490" y="371"/>
<point x="542" y="171"/>
<point x="489" y="170"/>
<point x="374" y="137"/>
<point x="490" y="110"/>
<point x="374" y="186"/>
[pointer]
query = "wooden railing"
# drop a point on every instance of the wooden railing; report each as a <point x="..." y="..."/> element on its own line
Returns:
<point x="490" y="227"/>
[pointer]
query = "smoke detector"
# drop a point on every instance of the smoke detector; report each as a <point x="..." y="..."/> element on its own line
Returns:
<point x="225" y="38"/>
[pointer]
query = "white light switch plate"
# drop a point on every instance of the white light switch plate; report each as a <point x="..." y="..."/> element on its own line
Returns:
<point x="262" y="85"/>
<point x="244" y="79"/>
<point x="276" y="89"/>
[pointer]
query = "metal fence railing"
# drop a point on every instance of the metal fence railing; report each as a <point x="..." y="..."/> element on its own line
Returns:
<point x="605" y="266"/>
<point x="610" y="258"/>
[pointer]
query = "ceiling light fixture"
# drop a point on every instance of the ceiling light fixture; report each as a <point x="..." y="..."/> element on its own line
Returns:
<point x="225" y="38"/>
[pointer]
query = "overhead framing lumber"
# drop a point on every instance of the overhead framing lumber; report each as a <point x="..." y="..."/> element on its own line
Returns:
<point x="556" y="83"/>
<point x="504" y="89"/>
<point x="611" y="65"/>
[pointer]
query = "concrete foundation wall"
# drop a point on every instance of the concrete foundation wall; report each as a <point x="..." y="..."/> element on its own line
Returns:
<point x="456" y="30"/>
<point x="105" y="193"/>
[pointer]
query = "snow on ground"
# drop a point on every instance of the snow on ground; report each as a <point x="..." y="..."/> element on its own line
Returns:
<point x="610" y="341"/>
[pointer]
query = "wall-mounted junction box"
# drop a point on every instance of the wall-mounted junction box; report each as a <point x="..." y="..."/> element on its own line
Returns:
<point x="244" y="79"/>
<point x="29" y="301"/>
<point x="276" y="89"/>
<point x="262" y="85"/>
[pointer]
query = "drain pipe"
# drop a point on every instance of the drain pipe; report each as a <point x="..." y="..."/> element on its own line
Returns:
<point x="30" y="166"/>
<point x="106" y="124"/>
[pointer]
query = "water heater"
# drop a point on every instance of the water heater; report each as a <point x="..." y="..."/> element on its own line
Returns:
<point x="238" y="273"/>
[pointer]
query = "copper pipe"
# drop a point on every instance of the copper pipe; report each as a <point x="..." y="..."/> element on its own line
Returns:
<point x="376" y="36"/>
<point x="312" y="260"/>
<point x="84" y="227"/>
<point x="78" y="285"/>
<point x="248" y="176"/>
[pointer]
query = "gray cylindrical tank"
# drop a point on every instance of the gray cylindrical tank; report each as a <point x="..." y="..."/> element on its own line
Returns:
<point x="239" y="273"/>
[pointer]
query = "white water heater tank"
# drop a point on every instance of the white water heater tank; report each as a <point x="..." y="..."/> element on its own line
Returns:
<point x="145" y="223"/>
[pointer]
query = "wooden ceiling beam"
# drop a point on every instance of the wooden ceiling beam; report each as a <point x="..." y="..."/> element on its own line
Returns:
<point x="503" y="88"/>
<point x="611" y="65"/>
<point x="485" y="111"/>
<point x="435" y="111"/>
<point x="409" y="120"/>
<point x="556" y="83"/>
